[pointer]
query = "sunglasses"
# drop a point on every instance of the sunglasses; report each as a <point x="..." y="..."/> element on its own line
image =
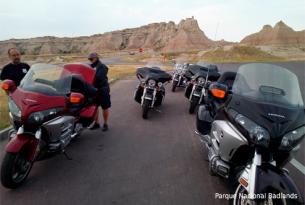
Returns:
<point x="90" y="59"/>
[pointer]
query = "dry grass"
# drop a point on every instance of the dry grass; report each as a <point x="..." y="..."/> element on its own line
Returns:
<point x="4" y="118"/>
<point x="116" y="72"/>
<point x="238" y="54"/>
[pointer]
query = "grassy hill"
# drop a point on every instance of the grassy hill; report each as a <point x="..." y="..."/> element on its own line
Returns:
<point x="239" y="54"/>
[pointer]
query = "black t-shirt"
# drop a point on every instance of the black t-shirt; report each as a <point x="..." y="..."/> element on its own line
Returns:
<point x="14" y="72"/>
<point x="101" y="79"/>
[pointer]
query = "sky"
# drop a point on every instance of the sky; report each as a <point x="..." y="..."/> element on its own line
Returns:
<point x="219" y="19"/>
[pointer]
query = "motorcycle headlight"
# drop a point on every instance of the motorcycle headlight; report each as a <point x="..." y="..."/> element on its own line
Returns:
<point x="14" y="109"/>
<point x="258" y="134"/>
<point x="160" y="84"/>
<point x="152" y="83"/>
<point x="201" y="80"/>
<point x="291" y="139"/>
<point x="39" y="117"/>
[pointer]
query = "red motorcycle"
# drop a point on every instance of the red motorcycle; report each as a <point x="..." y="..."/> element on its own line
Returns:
<point x="50" y="107"/>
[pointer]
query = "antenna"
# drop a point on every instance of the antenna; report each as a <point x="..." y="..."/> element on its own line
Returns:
<point x="216" y="31"/>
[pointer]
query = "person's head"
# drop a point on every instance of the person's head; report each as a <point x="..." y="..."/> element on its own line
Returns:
<point x="14" y="55"/>
<point x="93" y="57"/>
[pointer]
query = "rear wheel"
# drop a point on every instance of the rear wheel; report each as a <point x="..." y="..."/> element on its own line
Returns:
<point x="14" y="169"/>
<point x="145" y="109"/>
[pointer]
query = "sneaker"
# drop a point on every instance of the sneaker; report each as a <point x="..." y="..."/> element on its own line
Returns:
<point x="94" y="126"/>
<point x="105" y="128"/>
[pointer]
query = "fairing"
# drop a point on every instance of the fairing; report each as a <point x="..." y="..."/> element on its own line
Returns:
<point x="37" y="95"/>
<point x="154" y="73"/>
<point x="270" y="96"/>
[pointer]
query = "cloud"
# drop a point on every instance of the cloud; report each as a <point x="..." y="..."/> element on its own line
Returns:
<point x="219" y="19"/>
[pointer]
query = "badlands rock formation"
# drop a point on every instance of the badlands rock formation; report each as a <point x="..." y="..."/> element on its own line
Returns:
<point x="280" y="34"/>
<point x="167" y="37"/>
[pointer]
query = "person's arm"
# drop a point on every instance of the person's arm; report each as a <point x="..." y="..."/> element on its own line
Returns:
<point x="3" y="75"/>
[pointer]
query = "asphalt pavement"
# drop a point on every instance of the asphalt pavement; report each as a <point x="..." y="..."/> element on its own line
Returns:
<point x="158" y="161"/>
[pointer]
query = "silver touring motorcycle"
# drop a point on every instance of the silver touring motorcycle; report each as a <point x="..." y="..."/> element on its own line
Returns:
<point x="251" y="132"/>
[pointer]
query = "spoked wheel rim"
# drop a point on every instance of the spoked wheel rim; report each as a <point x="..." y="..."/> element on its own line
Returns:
<point x="241" y="191"/>
<point x="21" y="168"/>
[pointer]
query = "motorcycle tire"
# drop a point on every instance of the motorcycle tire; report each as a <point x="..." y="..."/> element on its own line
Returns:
<point x="174" y="86"/>
<point x="240" y="190"/>
<point x="9" y="167"/>
<point x="193" y="106"/>
<point x="145" y="109"/>
<point x="188" y="90"/>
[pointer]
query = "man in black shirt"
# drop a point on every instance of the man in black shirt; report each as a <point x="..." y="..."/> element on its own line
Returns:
<point x="15" y="70"/>
<point x="101" y="83"/>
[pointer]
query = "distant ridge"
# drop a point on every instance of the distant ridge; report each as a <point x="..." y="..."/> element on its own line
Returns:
<point x="280" y="34"/>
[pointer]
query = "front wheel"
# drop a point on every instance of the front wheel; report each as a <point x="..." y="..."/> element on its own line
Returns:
<point x="193" y="106"/>
<point x="240" y="198"/>
<point x="145" y="109"/>
<point x="14" y="169"/>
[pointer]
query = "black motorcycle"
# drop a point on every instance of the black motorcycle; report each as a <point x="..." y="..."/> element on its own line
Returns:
<point x="150" y="92"/>
<point x="252" y="131"/>
<point x="179" y="78"/>
<point x="201" y="77"/>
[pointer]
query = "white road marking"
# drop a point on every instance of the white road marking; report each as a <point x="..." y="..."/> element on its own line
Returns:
<point x="298" y="165"/>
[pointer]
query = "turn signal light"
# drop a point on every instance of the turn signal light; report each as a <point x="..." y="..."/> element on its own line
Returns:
<point x="76" y="98"/>
<point x="218" y="93"/>
<point x="243" y="182"/>
<point x="8" y="85"/>
<point x="5" y="86"/>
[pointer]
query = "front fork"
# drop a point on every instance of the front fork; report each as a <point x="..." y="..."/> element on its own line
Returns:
<point x="193" y="94"/>
<point x="248" y="176"/>
<point x="145" y="97"/>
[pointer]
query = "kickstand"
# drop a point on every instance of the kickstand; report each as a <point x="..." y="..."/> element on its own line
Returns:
<point x="66" y="155"/>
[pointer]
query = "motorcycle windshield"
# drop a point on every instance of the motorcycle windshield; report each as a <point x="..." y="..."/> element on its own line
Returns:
<point x="47" y="79"/>
<point x="268" y="83"/>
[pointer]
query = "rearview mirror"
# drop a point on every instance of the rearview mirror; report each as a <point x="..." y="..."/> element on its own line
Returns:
<point x="76" y="98"/>
<point x="8" y="86"/>
<point x="218" y="90"/>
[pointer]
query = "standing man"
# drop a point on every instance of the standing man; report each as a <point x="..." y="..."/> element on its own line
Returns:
<point x="15" y="70"/>
<point x="101" y="83"/>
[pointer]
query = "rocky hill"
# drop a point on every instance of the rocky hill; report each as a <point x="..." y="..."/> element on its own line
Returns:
<point x="279" y="35"/>
<point x="166" y="37"/>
